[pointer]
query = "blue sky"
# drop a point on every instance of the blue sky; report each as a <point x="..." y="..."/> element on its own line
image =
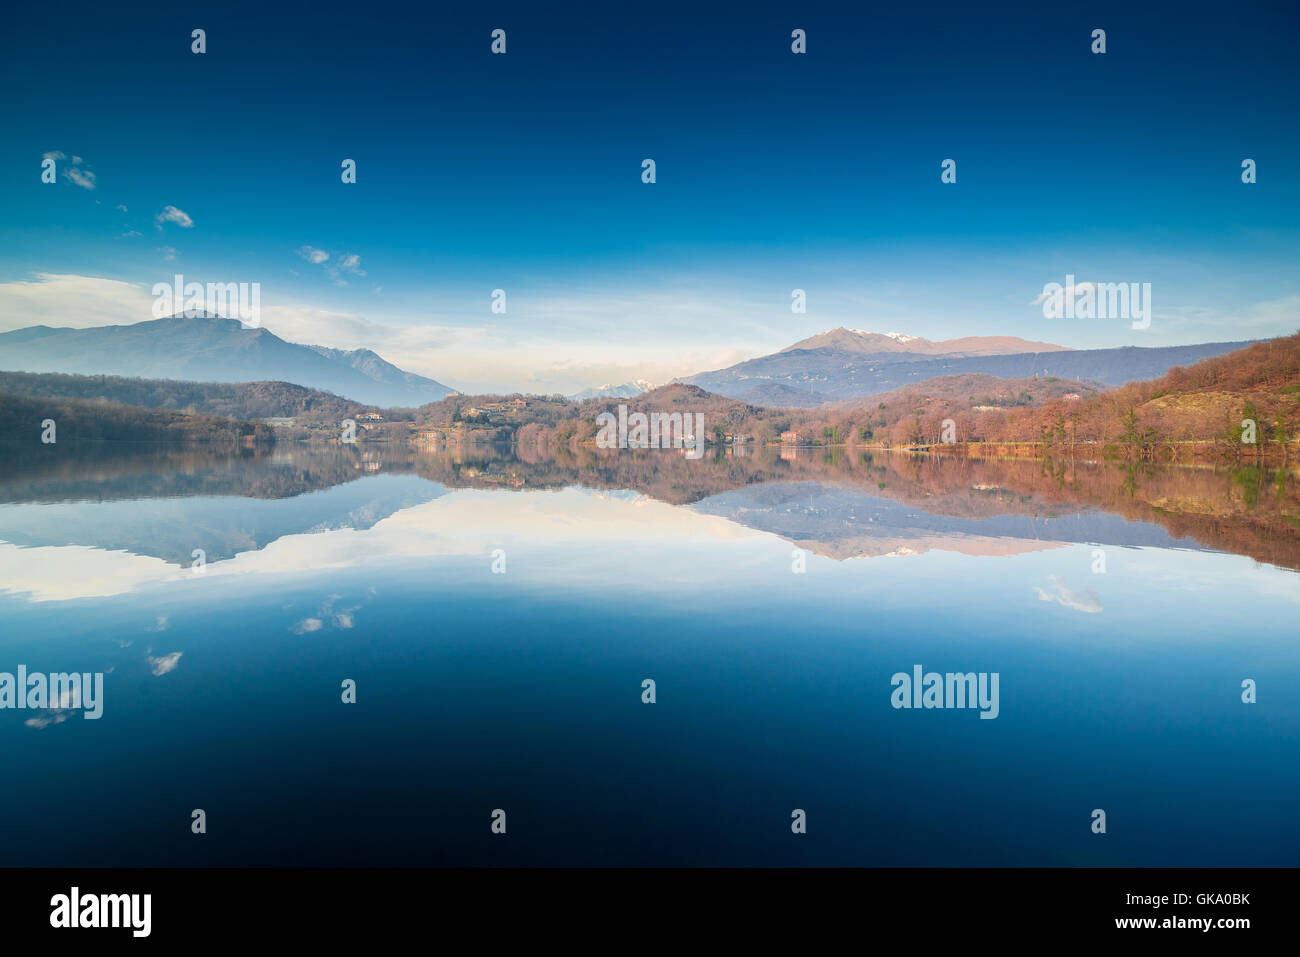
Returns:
<point x="775" y="172"/>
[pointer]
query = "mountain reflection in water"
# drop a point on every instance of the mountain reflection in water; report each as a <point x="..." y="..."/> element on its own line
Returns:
<point x="837" y="503"/>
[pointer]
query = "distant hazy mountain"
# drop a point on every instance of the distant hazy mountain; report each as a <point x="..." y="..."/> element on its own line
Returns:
<point x="899" y="344"/>
<point x="848" y="364"/>
<point x="625" y="391"/>
<point x="213" y="349"/>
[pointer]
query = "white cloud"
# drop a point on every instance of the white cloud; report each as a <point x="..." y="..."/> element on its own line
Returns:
<point x="82" y="177"/>
<point x="340" y="263"/>
<point x="52" y="299"/>
<point x="46" y="719"/>
<point x="171" y="214"/>
<point x="120" y="208"/>
<point x="348" y="330"/>
<point x="1260" y="320"/>
<point x="162" y="665"/>
<point x="313" y="255"/>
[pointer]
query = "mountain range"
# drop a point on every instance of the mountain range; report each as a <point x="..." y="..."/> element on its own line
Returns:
<point x="833" y="366"/>
<point x="898" y="343"/>
<point x="851" y="364"/>
<point x="607" y="391"/>
<point x="208" y="348"/>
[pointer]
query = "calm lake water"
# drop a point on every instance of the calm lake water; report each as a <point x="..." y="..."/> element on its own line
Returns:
<point x="771" y="599"/>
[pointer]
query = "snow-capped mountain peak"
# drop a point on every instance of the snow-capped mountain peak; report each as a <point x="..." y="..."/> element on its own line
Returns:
<point x="896" y="336"/>
<point x="608" y="390"/>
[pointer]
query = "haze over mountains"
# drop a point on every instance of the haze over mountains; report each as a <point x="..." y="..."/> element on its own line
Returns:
<point x="213" y="349"/>
<point x="849" y="364"/>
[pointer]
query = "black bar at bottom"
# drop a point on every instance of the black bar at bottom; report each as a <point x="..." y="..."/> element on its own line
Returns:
<point x="668" y="906"/>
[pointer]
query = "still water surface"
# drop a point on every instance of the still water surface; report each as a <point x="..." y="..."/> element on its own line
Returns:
<point x="1119" y="690"/>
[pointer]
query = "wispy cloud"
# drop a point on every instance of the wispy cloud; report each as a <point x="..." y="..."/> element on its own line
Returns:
<point x="1260" y="320"/>
<point x="1066" y="597"/>
<point x="333" y="264"/>
<point x="53" y="299"/>
<point x="313" y="255"/>
<point x="163" y="664"/>
<point x="72" y="170"/>
<point x="82" y="177"/>
<point x="171" y="214"/>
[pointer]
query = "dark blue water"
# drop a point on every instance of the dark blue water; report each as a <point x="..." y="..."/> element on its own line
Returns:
<point x="522" y="690"/>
